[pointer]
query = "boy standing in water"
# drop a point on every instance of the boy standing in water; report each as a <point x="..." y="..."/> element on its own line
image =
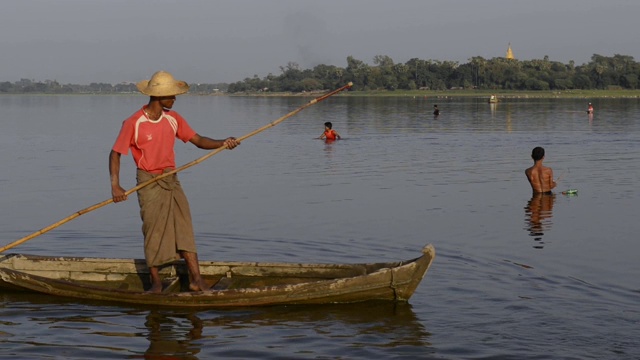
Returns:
<point x="540" y="177"/>
<point x="329" y="133"/>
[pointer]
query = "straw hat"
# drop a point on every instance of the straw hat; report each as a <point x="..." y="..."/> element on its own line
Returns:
<point x="162" y="83"/>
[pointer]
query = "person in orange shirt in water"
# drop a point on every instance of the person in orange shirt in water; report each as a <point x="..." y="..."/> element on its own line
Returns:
<point x="329" y="133"/>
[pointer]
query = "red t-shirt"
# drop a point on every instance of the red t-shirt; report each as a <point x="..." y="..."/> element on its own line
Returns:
<point x="151" y="141"/>
<point x="330" y="134"/>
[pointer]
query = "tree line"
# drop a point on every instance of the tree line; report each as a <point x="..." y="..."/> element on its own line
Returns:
<point x="499" y="73"/>
<point x="54" y="87"/>
<point x="602" y="72"/>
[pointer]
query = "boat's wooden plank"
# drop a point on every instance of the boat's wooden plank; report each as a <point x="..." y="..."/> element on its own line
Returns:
<point x="173" y="285"/>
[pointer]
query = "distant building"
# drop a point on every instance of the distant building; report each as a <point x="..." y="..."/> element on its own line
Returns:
<point x="509" y="53"/>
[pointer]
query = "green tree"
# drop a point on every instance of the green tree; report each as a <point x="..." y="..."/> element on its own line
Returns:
<point x="357" y="72"/>
<point x="6" y="87"/>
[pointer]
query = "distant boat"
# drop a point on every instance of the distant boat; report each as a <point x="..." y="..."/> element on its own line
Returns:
<point x="493" y="99"/>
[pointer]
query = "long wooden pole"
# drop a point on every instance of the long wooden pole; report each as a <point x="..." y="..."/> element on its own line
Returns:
<point x="183" y="167"/>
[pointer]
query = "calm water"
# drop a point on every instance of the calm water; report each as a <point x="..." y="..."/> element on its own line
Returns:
<point x="515" y="277"/>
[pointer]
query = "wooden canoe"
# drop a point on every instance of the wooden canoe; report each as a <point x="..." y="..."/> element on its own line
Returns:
<point x="233" y="284"/>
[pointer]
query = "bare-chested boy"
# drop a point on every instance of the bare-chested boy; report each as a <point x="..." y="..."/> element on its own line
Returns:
<point x="540" y="177"/>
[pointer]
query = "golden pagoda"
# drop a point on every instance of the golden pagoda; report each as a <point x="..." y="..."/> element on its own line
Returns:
<point x="509" y="53"/>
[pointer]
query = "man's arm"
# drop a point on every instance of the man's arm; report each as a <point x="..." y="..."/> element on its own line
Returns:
<point x="117" y="192"/>
<point x="552" y="183"/>
<point x="204" y="142"/>
<point x="527" y="172"/>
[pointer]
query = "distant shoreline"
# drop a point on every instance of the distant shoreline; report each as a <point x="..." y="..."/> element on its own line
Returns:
<point x="503" y="94"/>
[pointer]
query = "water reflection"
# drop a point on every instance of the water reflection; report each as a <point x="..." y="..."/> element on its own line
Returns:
<point x="538" y="213"/>
<point x="375" y="325"/>
<point x="508" y="121"/>
<point x="328" y="151"/>
<point x="94" y="329"/>
<point x="172" y="335"/>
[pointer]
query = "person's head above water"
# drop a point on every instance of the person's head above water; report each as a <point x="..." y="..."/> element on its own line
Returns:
<point x="328" y="125"/>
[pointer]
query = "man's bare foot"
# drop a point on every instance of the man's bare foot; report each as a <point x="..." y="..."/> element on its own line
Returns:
<point x="155" y="289"/>
<point x="156" y="282"/>
<point x="199" y="286"/>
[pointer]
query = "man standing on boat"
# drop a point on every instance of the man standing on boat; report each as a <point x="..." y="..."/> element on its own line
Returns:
<point x="150" y="133"/>
<point x="540" y="177"/>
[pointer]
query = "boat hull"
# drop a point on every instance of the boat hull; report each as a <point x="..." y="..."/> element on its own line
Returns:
<point x="233" y="284"/>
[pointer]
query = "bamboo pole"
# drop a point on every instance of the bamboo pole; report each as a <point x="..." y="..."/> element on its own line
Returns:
<point x="183" y="167"/>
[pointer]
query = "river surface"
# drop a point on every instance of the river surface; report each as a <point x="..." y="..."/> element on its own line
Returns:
<point x="515" y="276"/>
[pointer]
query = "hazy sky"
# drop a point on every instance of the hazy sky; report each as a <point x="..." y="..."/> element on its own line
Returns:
<point x="209" y="41"/>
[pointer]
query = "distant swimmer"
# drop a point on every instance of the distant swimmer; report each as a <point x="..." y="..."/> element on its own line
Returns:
<point x="329" y="133"/>
<point x="540" y="177"/>
<point x="590" y="109"/>
<point x="436" y="111"/>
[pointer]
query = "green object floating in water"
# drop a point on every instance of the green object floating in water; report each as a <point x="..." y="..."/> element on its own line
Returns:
<point x="570" y="192"/>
